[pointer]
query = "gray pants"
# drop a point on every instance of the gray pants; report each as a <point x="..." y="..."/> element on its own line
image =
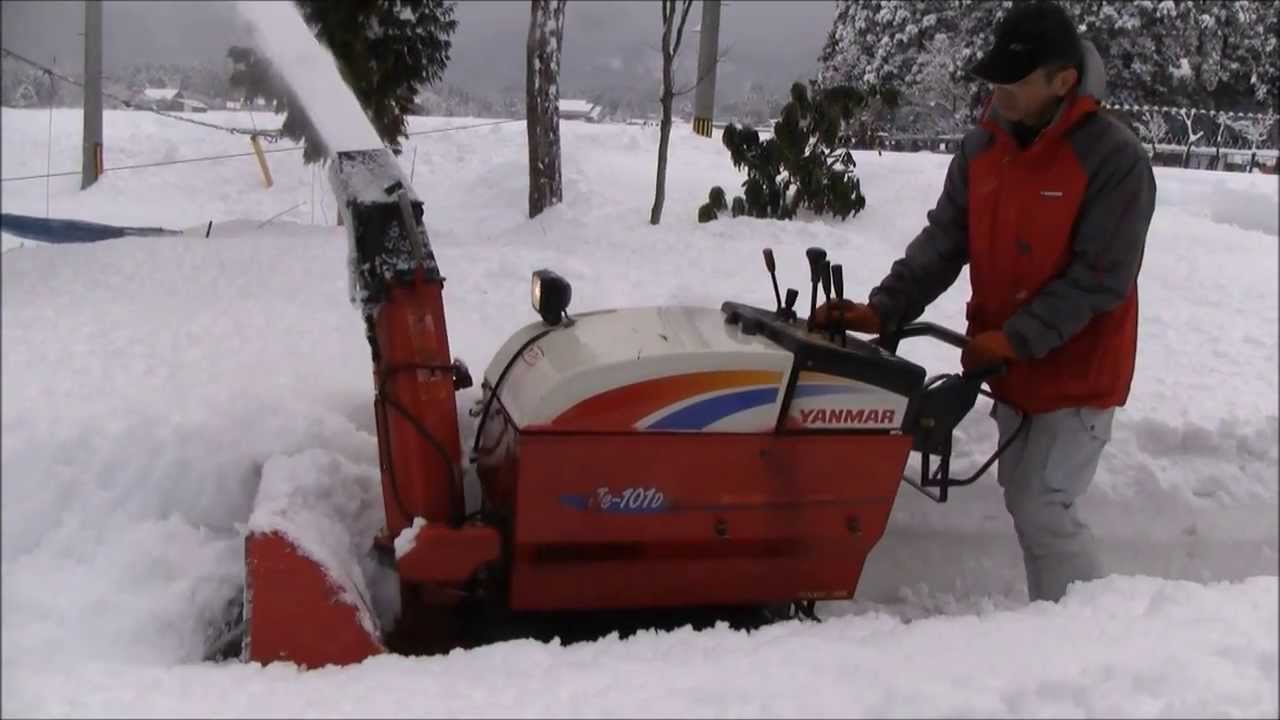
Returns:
<point x="1043" y="473"/>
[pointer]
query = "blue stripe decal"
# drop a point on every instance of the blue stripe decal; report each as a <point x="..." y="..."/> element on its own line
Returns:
<point x="705" y="412"/>
<point x="819" y="389"/>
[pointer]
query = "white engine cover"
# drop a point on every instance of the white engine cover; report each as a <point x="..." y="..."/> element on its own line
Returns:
<point x="672" y="369"/>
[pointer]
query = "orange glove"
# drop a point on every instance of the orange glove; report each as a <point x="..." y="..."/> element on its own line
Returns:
<point x="987" y="349"/>
<point x="847" y="315"/>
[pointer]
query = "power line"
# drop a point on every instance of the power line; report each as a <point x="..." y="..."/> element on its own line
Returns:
<point x="41" y="176"/>
<point x="462" y="127"/>
<point x="157" y="164"/>
<point x="271" y="135"/>
<point x="200" y="159"/>
<point x="229" y="156"/>
<point x="48" y="165"/>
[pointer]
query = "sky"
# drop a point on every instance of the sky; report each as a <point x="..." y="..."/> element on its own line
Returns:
<point x="606" y="41"/>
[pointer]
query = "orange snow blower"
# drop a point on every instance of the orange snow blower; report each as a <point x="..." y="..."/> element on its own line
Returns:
<point x="652" y="457"/>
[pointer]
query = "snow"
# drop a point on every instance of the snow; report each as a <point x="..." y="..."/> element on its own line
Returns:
<point x="163" y="394"/>
<point x="312" y="73"/>
<point x="408" y="537"/>
<point x="1182" y="70"/>
<point x="365" y="177"/>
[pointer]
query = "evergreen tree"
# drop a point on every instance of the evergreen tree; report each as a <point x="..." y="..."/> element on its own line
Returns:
<point x="874" y="44"/>
<point x="1266" y="66"/>
<point x="804" y="164"/>
<point x="386" y="51"/>
<point x="1199" y="53"/>
<point x="1232" y="44"/>
<point x="1138" y="42"/>
<point x="938" y="97"/>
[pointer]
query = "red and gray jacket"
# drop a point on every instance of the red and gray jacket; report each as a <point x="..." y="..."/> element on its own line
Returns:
<point x="1053" y="235"/>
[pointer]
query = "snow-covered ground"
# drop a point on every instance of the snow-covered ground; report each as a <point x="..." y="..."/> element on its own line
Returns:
<point x="148" y="383"/>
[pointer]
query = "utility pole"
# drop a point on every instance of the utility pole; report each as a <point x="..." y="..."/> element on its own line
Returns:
<point x="91" y="168"/>
<point x="704" y="97"/>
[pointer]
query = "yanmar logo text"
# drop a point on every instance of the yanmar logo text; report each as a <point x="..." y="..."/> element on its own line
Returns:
<point x="846" y="416"/>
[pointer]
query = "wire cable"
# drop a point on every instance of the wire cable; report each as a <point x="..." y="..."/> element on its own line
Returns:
<point x="463" y="127"/>
<point x="157" y="164"/>
<point x="48" y="165"/>
<point x="271" y="135"/>
<point x="229" y="156"/>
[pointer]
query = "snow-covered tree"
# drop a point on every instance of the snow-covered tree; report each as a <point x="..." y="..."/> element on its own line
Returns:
<point x="1141" y="43"/>
<point x="448" y="100"/>
<point x="25" y="86"/>
<point x="1254" y="129"/>
<point x="1265" y="77"/>
<point x="1201" y="53"/>
<point x="757" y="105"/>
<point x="937" y="97"/>
<point x="1188" y="117"/>
<point x="875" y="44"/>
<point x="1152" y="128"/>
<point x="1227" y="39"/>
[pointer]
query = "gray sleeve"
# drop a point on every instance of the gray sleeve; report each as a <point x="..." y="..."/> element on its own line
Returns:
<point x="1107" y="246"/>
<point x="934" y="259"/>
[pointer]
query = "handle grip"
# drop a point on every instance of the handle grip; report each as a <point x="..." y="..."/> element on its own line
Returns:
<point x="815" y="255"/>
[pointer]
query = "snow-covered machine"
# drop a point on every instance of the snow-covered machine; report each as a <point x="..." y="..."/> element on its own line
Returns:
<point x="629" y="458"/>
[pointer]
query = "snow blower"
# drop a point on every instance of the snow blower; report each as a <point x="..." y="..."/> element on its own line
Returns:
<point x="649" y="457"/>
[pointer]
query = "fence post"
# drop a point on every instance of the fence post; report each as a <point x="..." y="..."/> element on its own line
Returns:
<point x="262" y="159"/>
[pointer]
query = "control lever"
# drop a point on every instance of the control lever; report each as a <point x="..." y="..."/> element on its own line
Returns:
<point x="824" y="274"/>
<point x="837" y="282"/>
<point x="792" y="295"/>
<point x="772" y="268"/>
<point x="816" y="256"/>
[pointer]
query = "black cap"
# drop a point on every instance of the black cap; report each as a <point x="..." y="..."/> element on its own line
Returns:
<point x="1032" y="35"/>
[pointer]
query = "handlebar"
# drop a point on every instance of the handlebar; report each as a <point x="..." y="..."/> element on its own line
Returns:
<point x="889" y="341"/>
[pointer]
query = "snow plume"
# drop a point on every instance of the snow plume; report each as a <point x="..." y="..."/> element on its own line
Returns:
<point x="310" y="70"/>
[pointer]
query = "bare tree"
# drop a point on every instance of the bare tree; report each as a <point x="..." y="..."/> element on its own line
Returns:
<point x="1254" y="128"/>
<point x="542" y="102"/>
<point x="1153" y="128"/>
<point x="1188" y="116"/>
<point x="672" y="34"/>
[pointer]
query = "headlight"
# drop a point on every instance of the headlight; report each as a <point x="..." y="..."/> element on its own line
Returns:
<point x="550" y="295"/>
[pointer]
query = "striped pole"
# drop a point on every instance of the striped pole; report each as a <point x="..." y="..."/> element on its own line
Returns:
<point x="91" y="157"/>
<point x="704" y="98"/>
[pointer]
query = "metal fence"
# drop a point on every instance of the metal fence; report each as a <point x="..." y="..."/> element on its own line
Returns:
<point x="1194" y="138"/>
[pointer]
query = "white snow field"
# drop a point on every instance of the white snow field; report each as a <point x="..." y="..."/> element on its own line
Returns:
<point x="149" y="383"/>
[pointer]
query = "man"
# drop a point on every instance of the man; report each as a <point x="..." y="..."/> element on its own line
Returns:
<point x="1048" y="202"/>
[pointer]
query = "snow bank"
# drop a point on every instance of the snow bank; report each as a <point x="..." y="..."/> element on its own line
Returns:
<point x="1120" y="647"/>
<point x="154" y="387"/>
